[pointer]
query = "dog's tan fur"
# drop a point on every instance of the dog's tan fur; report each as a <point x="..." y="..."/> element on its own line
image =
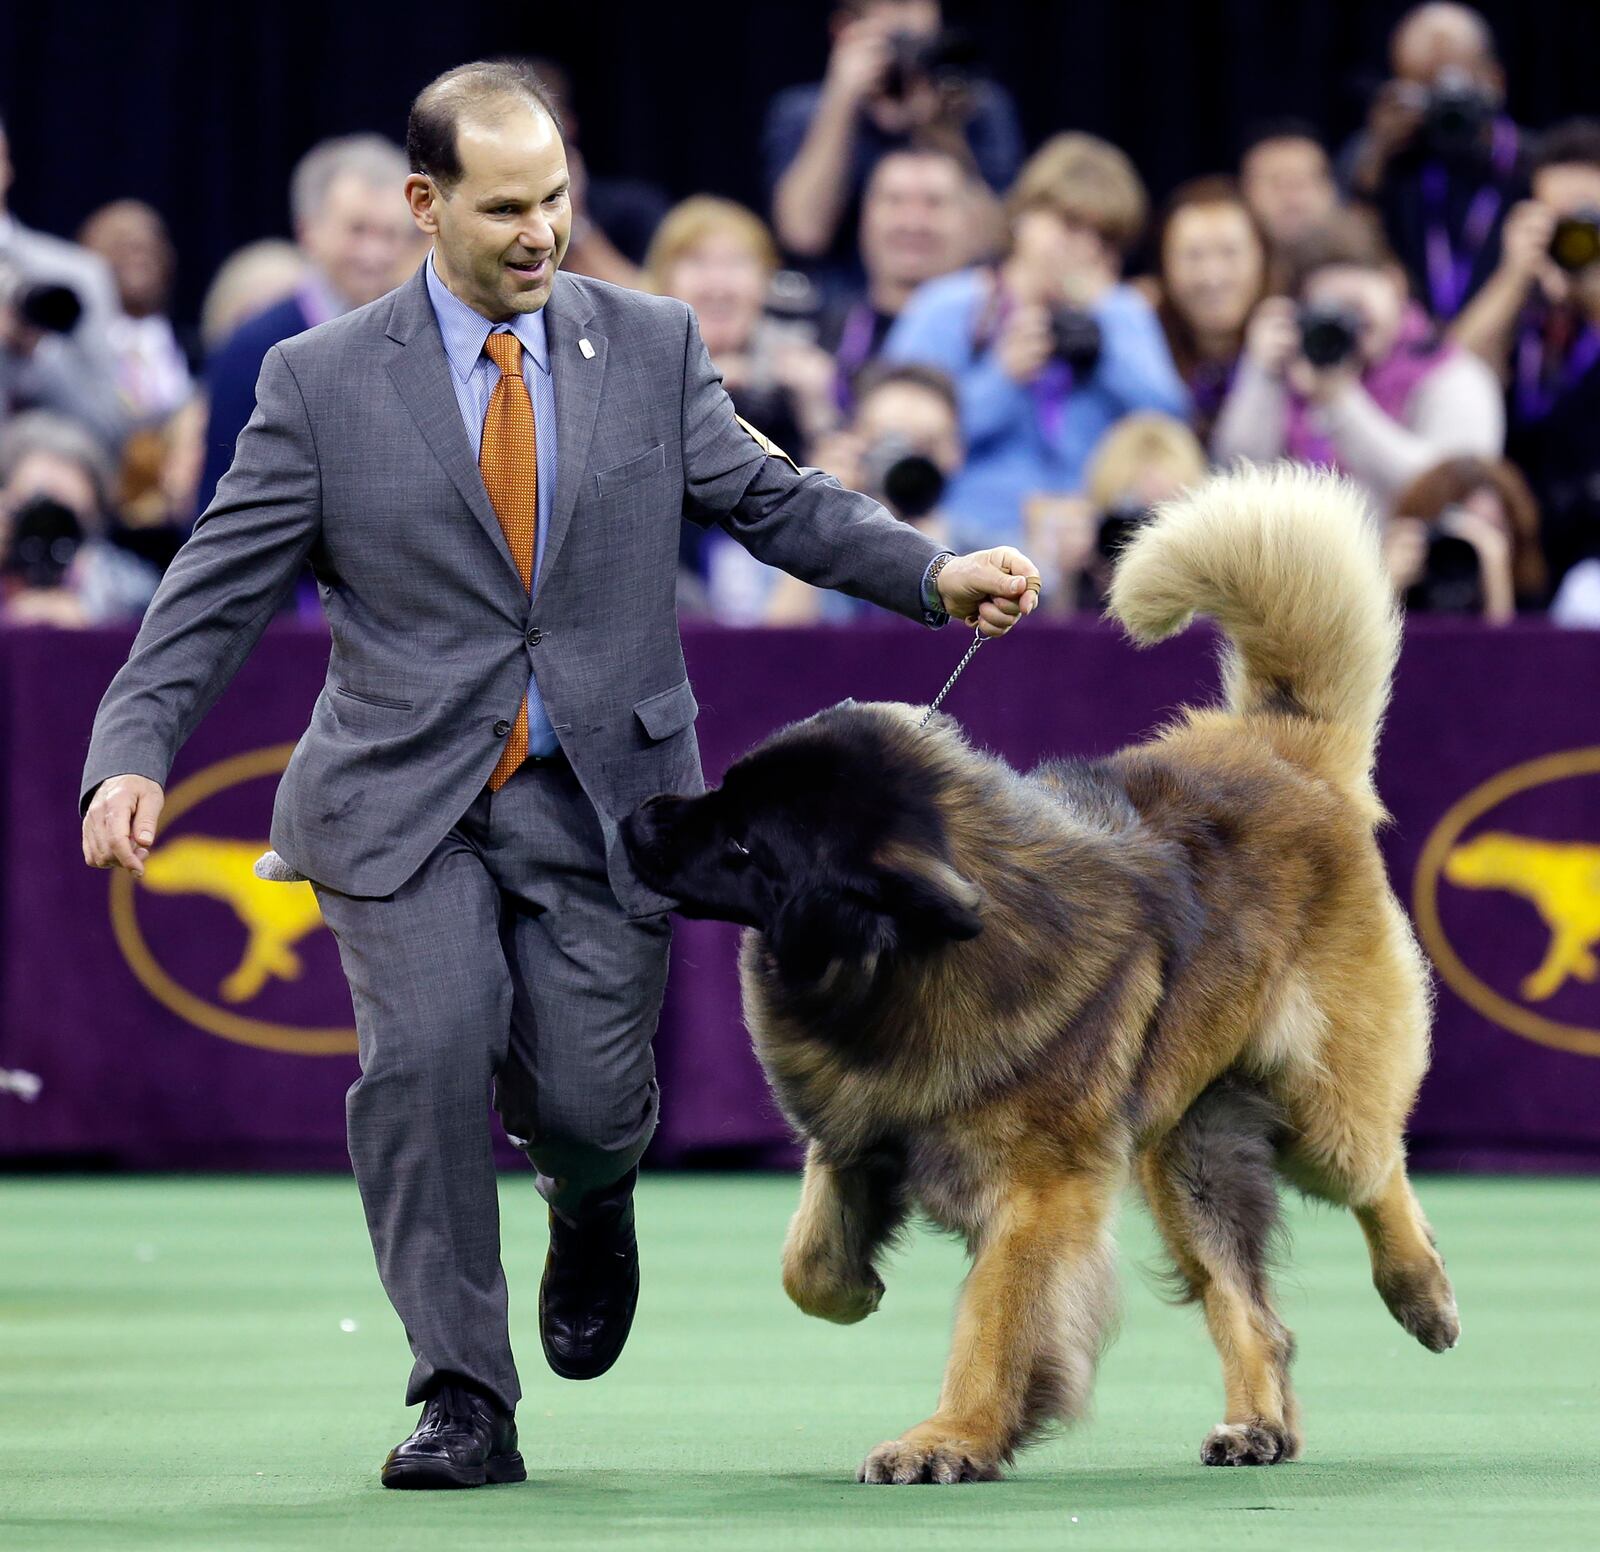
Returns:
<point x="1028" y="1072"/>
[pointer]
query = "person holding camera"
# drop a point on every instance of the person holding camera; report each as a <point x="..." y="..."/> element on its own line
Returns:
<point x="1349" y="373"/>
<point x="1212" y="261"/>
<point x="1465" y="540"/>
<point x="1536" y="322"/>
<point x="895" y="77"/>
<point x="1048" y="347"/>
<point x="58" y="564"/>
<point x="1439" y="159"/>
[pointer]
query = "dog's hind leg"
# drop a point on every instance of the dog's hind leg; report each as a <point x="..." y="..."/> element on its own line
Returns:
<point x="1211" y="1188"/>
<point x="846" y="1216"/>
<point x="1029" y="1329"/>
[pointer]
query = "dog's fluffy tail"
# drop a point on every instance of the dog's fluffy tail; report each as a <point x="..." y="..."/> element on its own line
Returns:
<point x="1287" y="561"/>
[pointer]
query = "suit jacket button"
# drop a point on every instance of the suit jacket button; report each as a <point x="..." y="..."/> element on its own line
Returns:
<point x="535" y="636"/>
<point x="501" y="728"/>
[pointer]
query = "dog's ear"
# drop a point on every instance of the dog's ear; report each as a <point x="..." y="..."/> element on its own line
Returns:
<point x="929" y="900"/>
<point x="827" y="926"/>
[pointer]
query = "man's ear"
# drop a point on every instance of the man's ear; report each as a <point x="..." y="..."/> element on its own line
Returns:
<point x="928" y="899"/>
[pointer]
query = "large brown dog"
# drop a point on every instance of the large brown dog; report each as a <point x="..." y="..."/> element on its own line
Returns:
<point x="993" y="997"/>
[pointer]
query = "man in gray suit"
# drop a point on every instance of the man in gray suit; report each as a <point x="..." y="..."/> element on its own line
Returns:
<point x="487" y="470"/>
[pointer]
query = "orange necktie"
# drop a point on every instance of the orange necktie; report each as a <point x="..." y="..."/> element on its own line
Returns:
<point x="509" y="460"/>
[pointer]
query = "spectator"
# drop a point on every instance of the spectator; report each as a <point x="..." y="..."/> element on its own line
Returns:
<point x="613" y="219"/>
<point x="1047" y="348"/>
<point x="1537" y="323"/>
<point x="1213" y="266"/>
<point x="1439" y="159"/>
<point x="1287" y="181"/>
<point x="1357" y="380"/>
<point x="916" y="224"/>
<point x="1141" y="461"/>
<point x="152" y="367"/>
<point x="58" y="565"/>
<point x="350" y="221"/>
<point x="1465" y="540"/>
<point x="56" y="305"/>
<point x="250" y="280"/>
<point x="891" y="82"/>
<point x="902" y="447"/>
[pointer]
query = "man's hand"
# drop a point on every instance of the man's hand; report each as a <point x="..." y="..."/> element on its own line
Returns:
<point x="991" y="589"/>
<point x="120" y="825"/>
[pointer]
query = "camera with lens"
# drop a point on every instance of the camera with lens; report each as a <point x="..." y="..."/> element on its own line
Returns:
<point x="1575" y="243"/>
<point x="908" y="482"/>
<point x="1451" y="581"/>
<point x="1118" y="524"/>
<point x="1328" y="335"/>
<point x="1076" y="338"/>
<point x="946" y="57"/>
<point x="41" y="304"/>
<point x="1455" y="113"/>
<point x="45" y="536"/>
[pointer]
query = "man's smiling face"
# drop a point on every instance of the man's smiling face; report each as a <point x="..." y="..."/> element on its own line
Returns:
<point x="501" y="231"/>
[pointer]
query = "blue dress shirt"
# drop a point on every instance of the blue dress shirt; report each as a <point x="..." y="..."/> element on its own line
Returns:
<point x="473" y="376"/>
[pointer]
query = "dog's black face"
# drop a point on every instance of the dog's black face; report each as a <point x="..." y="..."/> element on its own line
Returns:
<point x="827" y="839"/>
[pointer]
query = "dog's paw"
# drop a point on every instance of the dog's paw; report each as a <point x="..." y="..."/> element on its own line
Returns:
<point x="844" y="1303"/>
<point x="1248" y="1444"/>
<point x="928" y="1459"/>
<point x="1422" y="1301"/>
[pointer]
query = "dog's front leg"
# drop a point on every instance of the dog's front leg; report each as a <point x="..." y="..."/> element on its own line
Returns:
<point x="1028" y="1333"/>
<point x="846" y="1214"/>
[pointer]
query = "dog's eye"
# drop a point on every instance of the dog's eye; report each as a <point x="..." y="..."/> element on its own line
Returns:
<point x="738" y="852"/>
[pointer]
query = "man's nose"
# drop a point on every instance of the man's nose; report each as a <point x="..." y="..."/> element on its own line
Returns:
<point x="537" y="236"/>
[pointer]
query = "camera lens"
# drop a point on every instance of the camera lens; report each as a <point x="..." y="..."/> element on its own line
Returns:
<point x="1328" y="335"/>
<point x="1077" y="339"/>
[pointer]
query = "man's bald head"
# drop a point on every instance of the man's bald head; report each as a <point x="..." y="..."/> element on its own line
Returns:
<point x="1438" y="36"/>
<point x="481" y="94"/>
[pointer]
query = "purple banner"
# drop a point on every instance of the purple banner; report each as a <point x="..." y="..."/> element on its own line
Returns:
<point x="199" y="1019"/>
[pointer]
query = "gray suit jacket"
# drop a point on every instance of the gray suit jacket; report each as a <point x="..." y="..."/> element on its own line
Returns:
<point x="356" y="459"/>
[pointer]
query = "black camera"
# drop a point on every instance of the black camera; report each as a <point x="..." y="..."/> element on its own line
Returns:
<point x="41" y="304"/>
<point x="902" y="478"/>
<point x="1451" y="580"/>
<point x="1575" y="243"/>
<point x="1328" y="335"/>
<point x="45" y="536"/>
<point x="1455" y="114"/>
<point x="1077" y="339"/>
<point x="940" y="57"/>
<point x="1118" y="524"/>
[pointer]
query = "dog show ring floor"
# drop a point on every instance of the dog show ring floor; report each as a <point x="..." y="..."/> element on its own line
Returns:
<point x="209" y="1363"/>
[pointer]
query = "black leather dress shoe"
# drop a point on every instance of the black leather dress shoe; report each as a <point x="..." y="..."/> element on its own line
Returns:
<point x="463" y="1440"/>
<point x="591" y="1284"/>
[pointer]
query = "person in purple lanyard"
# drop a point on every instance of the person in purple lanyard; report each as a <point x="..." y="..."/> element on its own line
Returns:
<point x="1537" y="323"/>
<point x="917" y="219"/>
<point x="1439" y="159"/>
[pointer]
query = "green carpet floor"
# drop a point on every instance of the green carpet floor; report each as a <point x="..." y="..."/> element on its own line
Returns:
<point x="210" y="1364"/>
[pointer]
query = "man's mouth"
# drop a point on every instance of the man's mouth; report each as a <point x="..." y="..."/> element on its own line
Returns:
<point x="529" y="269"/>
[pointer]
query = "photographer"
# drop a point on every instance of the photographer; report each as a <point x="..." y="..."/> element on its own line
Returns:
<point x="1465" y="540"/>
<point x="58" y="565"/>
<point x="1439" y="160"/>
<point x="1350" y="375"/>
<point x="56" y="305"/>
<point x="902" y="448"/>
<point x="1048" y="348"/>
<point x="1537" y="323"/>
<point x="1213" y="271"/>
<point x="895" y="78"/>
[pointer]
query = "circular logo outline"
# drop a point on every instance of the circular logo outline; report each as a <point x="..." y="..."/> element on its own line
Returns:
<point x="147" y="970"/>
<point x="1472" y="990"/>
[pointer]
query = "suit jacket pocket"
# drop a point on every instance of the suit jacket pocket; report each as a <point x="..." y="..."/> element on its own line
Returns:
<point x="623" y="476"/>
<point x="369" y="698"/>
<point x="668" y="712"/>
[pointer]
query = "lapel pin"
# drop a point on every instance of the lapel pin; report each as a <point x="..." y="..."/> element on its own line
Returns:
<point x="587" y="349"/>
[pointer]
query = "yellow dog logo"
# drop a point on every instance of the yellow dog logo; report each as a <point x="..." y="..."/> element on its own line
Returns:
<point x="1563" y="884"/>
<point x="275" y="919"/>
<point x="1559" y="879"/>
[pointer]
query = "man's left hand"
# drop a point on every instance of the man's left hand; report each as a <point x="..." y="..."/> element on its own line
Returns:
<point x="991" y="589"/>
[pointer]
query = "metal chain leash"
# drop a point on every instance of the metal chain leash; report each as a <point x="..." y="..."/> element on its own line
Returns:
<point x="978" y="639"/>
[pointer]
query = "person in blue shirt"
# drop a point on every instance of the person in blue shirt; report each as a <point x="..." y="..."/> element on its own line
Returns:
<point x="1048" y="348"/>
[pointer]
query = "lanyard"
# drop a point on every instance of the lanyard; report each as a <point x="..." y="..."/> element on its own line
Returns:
<point x="1537" y="393"/>
<point x="855" y="348"/>
<point x="1449" y="272"/>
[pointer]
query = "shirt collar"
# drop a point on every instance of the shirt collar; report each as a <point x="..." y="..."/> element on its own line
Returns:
<point x="464" y="330"/>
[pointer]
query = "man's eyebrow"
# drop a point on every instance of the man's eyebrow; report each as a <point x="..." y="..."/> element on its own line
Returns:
<point x="489" y="201"/>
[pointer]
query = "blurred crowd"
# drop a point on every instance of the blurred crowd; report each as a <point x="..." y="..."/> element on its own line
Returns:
<point x="1002" y="347"/>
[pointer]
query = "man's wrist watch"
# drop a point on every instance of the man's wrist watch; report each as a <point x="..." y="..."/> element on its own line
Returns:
<point x="933" y="610"/>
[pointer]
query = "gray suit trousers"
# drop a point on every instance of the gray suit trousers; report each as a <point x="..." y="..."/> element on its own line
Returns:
<point x="504" y="958"/>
